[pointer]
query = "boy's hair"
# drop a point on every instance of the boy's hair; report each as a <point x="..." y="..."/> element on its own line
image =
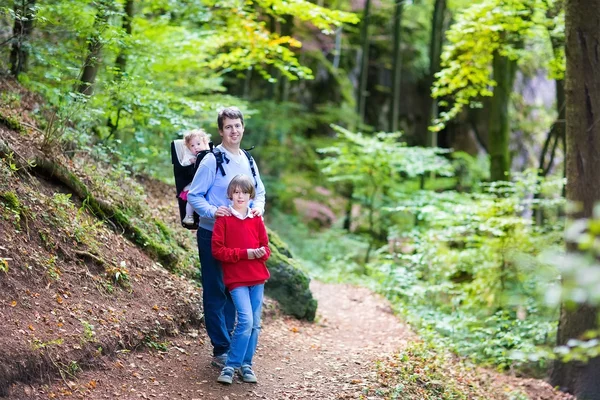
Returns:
<point x="231" y="113"/>
<point x="191" y="134"/>
<point x="244" y="183"/>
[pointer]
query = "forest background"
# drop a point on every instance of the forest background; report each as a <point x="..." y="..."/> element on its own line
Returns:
<point x="415" y="147"/>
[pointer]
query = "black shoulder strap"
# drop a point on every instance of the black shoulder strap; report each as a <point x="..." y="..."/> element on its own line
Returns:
<point x="219" y="156"/>
<point x="251" y="161"/>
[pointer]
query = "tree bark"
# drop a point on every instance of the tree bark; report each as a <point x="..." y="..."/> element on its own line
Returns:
<point x="583" y="174"/>
<point x="504" y="75"/>
<point x="364" y="64"/>
<point x="92" y="60"/>
<point x="121" y="64"/>
<point x="19" y="53"/>
<point x="121" y="61"/>
<point x="396" y="67"/>
<point x="435" y="55"/>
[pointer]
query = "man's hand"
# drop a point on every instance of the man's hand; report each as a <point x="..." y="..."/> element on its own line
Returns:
<point x="222" y="211"/>
<point x="256" y="212"/>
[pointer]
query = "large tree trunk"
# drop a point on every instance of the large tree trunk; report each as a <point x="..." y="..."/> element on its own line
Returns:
<point x="364" y="64"/>
<point x="435" y="55"/>
<point x="19" y="53"/>
<point x="583" y="174"/>
<point x="504" y="75"/>
<point x="92" y="60"/>
<point x="396" y="68"/>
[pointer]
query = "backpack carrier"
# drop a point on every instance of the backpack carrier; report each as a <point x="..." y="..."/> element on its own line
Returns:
<point x="185" y="174"/>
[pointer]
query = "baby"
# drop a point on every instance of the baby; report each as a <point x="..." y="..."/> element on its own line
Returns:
<point x="195" y="141"/>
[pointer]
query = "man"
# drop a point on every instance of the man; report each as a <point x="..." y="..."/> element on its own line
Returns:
<point x="208" y="196"/>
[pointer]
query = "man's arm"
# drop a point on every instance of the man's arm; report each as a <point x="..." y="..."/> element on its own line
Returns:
<point x="203" y="180"/>
<point x="258" y="204"/>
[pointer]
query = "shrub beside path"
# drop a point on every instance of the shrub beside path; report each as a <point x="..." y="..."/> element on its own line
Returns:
<point x="350" y="352"/>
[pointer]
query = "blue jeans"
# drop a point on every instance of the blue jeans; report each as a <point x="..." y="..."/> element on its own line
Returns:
<point x="248" y="303"/>
<point x="219" y="311"/>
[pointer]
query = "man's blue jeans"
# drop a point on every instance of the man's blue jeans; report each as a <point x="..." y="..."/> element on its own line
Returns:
<point x="219" y="311"/>
<point x="248" y="303"/>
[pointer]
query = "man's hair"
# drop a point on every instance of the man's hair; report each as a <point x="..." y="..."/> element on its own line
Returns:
<point x="191" y="134"/>
<point x="244" y="183"/>
<point x="231" y="113"/>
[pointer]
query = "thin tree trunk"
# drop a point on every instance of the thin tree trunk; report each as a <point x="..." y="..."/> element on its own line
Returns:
<point x="121" y="61"/>
<point x="504" y="75"/>
<point x="583" y="175"/>
<point x="19" y="53"/>
<point x="435" y="55"/>
<point x="396" y="67"/>
<point x="364" y="64"/>
<point x="92" y="60"/>
<point x="121" y="65"/>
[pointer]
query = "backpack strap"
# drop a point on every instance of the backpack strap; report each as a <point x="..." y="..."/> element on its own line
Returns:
<point x="220" y="158"/>
<point x="251" y="161"/>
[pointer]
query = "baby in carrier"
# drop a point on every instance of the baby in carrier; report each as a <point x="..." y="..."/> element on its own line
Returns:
<point x="195" y="142"/>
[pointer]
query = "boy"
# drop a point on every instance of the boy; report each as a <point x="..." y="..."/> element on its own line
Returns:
<point x="240" y="242"/>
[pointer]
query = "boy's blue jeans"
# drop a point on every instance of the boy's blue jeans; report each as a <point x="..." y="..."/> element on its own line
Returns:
<point x="219" y="311"/>
<point x="248" y="303"/>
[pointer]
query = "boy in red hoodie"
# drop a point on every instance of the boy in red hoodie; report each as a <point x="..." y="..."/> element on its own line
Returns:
<point x="240" y="242"/>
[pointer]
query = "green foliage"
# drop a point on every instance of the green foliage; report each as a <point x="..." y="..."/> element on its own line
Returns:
<point x="468" y="273"/>
<point x="374" y="166"/>
<point x="480" y="31"/>
<point x="119" y="275"/>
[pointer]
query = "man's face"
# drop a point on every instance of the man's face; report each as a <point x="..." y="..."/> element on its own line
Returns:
<point x="232" y="132"/>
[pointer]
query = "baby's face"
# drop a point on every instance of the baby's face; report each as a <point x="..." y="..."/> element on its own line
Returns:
<point x="197" y="145"/>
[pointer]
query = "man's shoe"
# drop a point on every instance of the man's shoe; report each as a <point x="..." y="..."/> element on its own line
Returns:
<point x="247" y="374"/>
<point x="219" y="361"/>
<point x="226" y="376"/>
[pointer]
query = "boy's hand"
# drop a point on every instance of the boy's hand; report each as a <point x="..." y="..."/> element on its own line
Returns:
<point x="192" y="160"/>
<point x="260" y="252"/>
<point x="251" y="255"/>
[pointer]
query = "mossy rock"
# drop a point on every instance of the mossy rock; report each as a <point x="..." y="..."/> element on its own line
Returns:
<point x="289" y="284"/>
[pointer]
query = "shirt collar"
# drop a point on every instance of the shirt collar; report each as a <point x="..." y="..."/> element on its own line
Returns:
<point x="240" y="216"/>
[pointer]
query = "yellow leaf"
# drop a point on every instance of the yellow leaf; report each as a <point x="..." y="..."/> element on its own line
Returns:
<point x="13" y="303"/>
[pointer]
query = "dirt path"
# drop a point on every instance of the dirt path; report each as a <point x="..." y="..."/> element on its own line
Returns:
<point x="333" y="358"/>
<point x="295" y="360"/>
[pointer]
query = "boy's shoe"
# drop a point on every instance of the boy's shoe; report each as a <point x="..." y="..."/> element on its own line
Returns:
<point x="247" y="374"/>
<point x="219" y="361"/>
<point x="188" y="220"/>
<point x="226" y="376"/>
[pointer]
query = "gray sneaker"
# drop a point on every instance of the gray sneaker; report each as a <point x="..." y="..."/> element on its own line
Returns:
<point x="247" y="374"/>
<point x="226" y="376"/>
<point x="219" y="361"/>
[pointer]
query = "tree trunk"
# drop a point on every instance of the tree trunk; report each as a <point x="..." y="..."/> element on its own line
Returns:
<point x="364" y="64"/>
<point x="92" y="60"/>
<point x="583" y="175"/>
<point x="504" y="75"/>
<point x="121" y="65"/>
<point x="435" y="55"/>
<point x="121" y="61"/>
<point x="19" y="53"/>
<point x="396" y="67"/>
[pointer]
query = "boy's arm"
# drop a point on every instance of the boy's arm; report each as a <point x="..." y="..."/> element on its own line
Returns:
<point x="222" y="252"/>
<point x="263" y="239"/>
<point x="203" y="180"/>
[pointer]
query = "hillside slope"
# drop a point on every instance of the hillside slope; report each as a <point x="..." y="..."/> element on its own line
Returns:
<point x="92" y="261"/>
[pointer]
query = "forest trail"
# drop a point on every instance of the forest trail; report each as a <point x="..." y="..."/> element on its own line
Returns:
<point x="333" y="358"/>
<point x="328" y="359"/>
